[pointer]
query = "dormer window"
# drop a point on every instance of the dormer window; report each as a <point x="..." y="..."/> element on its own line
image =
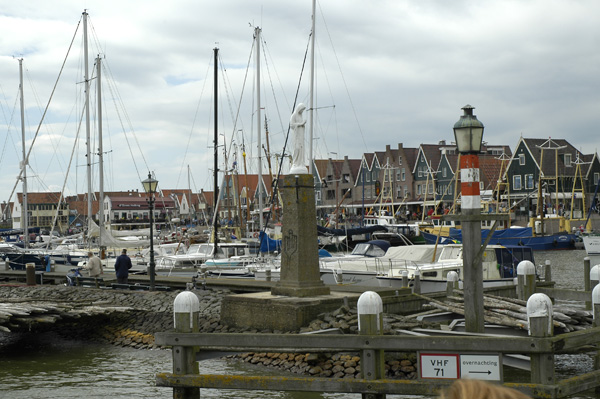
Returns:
<point x="567" y="160"/>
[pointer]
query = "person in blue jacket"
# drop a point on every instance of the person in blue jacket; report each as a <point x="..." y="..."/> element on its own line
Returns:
<point x="122" y="266"/>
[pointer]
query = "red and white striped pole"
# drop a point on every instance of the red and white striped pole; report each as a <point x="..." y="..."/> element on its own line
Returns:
<point x="469" y="133"/>
<point x="469" y="182"/>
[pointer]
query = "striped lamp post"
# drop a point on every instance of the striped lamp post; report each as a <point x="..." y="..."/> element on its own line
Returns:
<point x="468" y="132"/>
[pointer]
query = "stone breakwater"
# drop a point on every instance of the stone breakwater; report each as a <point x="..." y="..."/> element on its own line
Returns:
<point x="151" y="312"/>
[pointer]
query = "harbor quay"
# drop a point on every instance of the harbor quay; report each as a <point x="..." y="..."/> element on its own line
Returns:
<point x="131" y="318"/>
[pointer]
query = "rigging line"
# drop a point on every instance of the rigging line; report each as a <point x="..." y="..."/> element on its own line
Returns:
<point x="271" y="84"/>
<point x="10" y="123"/>
<point x="44" y="114"/>
<point x="55" y="145"/>
<point x="362" y="136"/>
<point x="187" y="147"/>
<point x="276" y="180"/>
<point x="118" y="100"/>
<point x="235" y="119"/>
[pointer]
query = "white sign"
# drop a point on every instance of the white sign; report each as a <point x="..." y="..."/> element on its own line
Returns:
<point x="454" y="366"/>
<point x="481" y="367"/>
<point x="439" y="365"/>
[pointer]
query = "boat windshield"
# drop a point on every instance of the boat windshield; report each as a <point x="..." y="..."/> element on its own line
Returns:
<point x="200" y="249"/>
<point x="366" y="249"/>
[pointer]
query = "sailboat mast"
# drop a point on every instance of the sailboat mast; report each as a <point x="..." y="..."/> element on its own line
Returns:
<point x="216" y="151"/>
<point x="87" y="122"/>
<point x="311" y="107"/>
<point x="24" y="211"/>
<point x="260" y="186"/>
<point x="100" y="152"/>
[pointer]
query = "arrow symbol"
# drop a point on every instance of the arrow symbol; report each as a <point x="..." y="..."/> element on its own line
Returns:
<point x="480" y="372"/>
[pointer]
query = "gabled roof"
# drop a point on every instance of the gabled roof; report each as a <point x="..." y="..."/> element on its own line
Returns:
<point x="321" y="167"/>
<point x="354" y="165"/>
<point x="40" y="198"/>
<point x="550" y="161"/>
<point x="489" y="168"/>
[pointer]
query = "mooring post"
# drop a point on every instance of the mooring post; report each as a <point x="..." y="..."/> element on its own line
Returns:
<point x="451" y="283"/>
<point x="540" y="318"/>
<point x="548" y="271"/>
<point x="30" y="273"/>
<point x="525" y="279"/>
<point x="586" y="280"/>
<point x="370" y="322"/>
<point x="417" y="282"/>
<point x="404" y="278"/>
<point x="186" y="308"/>
<point x="596" y="323"/>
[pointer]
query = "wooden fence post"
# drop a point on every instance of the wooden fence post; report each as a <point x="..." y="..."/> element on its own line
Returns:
<point x="525" y="279"/>
<point x="186" y="308"/>
<point x="539" y="316"/>
<point x="370" y="322"/>
<point x="548" y="271"/>
<point x="596" y="323"/>
<point x="451" y="283"/>
<point x="417" y="282"/>
<point x="586" y="279"/>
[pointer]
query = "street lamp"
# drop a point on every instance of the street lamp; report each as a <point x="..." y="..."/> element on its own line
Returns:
<point x="150" y="188"/>
<point x="468" y="132"/>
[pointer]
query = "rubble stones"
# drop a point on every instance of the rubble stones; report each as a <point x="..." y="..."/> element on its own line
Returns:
<point x="152" y="312"/>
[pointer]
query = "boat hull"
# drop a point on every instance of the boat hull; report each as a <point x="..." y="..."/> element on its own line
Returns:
<point x="537" y="243"/>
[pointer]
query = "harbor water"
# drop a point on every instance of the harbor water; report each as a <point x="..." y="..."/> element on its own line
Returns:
<point x="47" y="366"/>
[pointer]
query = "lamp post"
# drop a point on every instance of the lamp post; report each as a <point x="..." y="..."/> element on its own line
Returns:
<point x="468" y="132"/>
<point x="150" y="187"/>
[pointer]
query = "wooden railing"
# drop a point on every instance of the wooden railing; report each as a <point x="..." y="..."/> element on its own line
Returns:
<point x="188" y="345"/>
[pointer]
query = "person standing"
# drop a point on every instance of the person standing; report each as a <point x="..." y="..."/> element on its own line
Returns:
<point x="122" y="266"/>
<point x="93" y="265"/>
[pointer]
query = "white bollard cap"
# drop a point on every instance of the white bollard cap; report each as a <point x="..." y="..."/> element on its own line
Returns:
<point x="595" y="273"/>
<point x="539" y="305"/>
<point x="525" y="267"/>
<point x="404" y="273"/>
<point x="596" y="295"/>
<point x="369" y="303"/>
<point x="186" y="302"/>
<point x="452" y="276"/>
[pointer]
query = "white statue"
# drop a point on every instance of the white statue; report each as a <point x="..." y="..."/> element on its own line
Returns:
<point x="297" y="123"/>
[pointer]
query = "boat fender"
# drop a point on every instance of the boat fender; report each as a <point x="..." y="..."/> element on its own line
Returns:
<point x="572" y="241"/>
<point x="554" y="243"/>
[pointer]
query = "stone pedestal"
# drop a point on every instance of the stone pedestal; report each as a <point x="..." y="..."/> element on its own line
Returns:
<point x="299" y="275"/>
<point x="261" y="310"/>
<point x="300" y="295"/>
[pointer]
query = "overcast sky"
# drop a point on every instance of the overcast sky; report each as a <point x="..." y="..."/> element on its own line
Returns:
<point x="387" y="72"/>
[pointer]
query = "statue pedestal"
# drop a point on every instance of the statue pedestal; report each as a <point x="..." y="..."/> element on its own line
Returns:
<point x="300" y="295"/>
<point x="299" y="275"/>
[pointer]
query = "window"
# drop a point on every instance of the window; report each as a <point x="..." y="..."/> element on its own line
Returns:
<point x="444" y="171"/>
<point x="330" y="194"/>
<point x="521" y="160"/>
<point x="398" y="175"/>
<point x="567" y="159"/>
<point x="529" y="182"/>
<point x="317" y="197"/>
<point x="419" y="172"/>
<point x="406" y="191"/>
<point x="418" y="189"/>
<point x="481" y="186"/>
<point x="596" y="177"/>
<point x="346" y="178"/>
<point x="368" y="177"/>
<point x="516" y="182"/>
<point x="403" y="174"/>
<point x="399" y="159"/>
<point x="399" y="192"/>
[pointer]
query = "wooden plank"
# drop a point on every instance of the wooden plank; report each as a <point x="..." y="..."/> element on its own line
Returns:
<point x="557" y="293"/>
<point x="326" y="343"/>
<point x="342" y="385"/>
